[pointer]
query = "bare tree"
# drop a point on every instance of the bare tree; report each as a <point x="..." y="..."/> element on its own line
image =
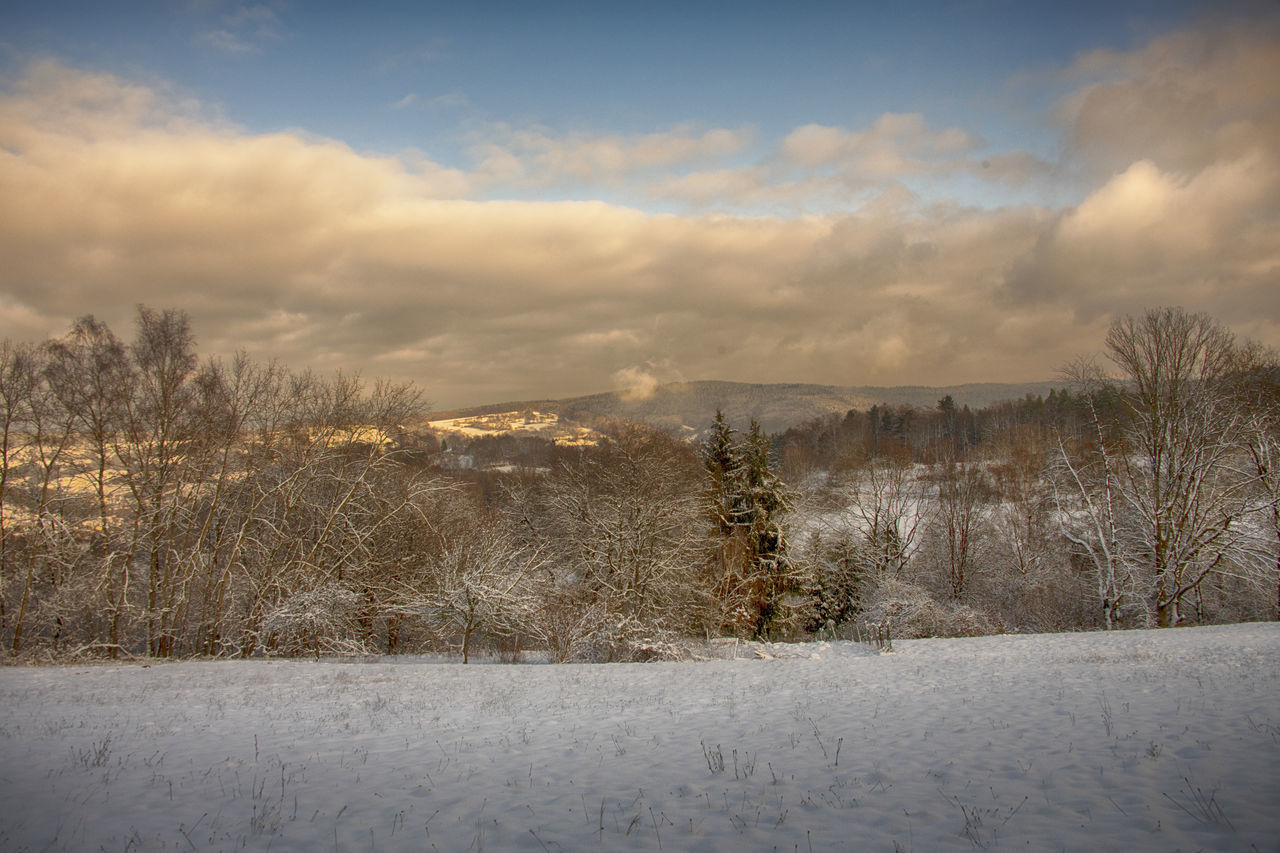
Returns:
<point x="960" y="521"/>
<point x="1183" y="472"/>
<point x="1028" y="578"/>
<point x="866" y="533"/>
<point x="886" y="507"/>
<point x="312" y="515"/>
<point x="620" y="525"/>
<point x="237" y="410"/>
<point x="19" y="377"/>
<point x="148" y="504"/>
<point x="89" y="373"/>
<point x="482" y="580"/>
<point x="1021" y="519"/>
<point x="153" y="445"/>
<point x="48" y="546"/>
<point x="1090" y="502"/>
<point x="1258" y="395"/>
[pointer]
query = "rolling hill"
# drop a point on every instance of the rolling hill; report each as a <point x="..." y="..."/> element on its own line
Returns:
<point x="684" y="407"/>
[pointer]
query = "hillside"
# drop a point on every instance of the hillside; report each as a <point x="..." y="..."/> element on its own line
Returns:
<point x="689" y="406"/>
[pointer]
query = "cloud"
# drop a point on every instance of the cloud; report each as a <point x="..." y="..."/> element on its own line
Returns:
<point x="227" y="42"/>
<point x="1180" y="135"/>
<point x="114" y="192"/>
<point x="1015" y="168"/>
<point x="50" y="101"/>
<point x="534" y="156"/>
<point x="1183" y="101"/>
<point x="1204" y="239"/>
<point x="896" y="145"/>
<point x="820" y="166"/>
<point x="448" y="100"/>
<point x="635" y="383"/>
<point x="246" y="30"/>
<point x="741" y="187"/>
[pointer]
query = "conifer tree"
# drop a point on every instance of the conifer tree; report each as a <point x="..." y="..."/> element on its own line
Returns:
<point x="724" y="467"/>
<point x="767" y="502"/>
<point x="748" y="502"/>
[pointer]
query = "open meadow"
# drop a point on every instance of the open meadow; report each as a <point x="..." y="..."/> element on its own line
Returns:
<point x="1139" y="740"/>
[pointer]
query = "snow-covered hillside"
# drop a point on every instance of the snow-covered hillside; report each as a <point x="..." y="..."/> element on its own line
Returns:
<point x="1144" y="740"/>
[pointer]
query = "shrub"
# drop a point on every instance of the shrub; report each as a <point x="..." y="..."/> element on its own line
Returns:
<point x="908" y="611"/>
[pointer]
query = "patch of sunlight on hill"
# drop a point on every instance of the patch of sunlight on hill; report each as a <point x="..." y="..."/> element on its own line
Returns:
<point x="546" y="425"/>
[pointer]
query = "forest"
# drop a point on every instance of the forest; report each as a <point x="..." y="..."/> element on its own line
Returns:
<point x="154" y="504"/>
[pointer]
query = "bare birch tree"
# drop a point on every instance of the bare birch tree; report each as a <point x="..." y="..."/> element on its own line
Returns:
<point x="19" y="377"/>
<point x="1184" y="472"/>
<point x="1087" y="491"/>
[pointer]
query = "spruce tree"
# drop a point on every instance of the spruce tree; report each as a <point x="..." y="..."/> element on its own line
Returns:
<point x="767" y="502"/>
<point x="748" y="502"/>
<point x="723" y="461"/>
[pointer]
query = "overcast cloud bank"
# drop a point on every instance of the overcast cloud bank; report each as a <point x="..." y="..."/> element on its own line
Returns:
<point x="817" y="262"/>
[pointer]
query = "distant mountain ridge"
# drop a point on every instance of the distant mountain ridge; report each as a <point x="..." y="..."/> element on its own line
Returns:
<point x="690" y="406"/>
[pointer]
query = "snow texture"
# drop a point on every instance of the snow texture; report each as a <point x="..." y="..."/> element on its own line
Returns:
<point x="1142" y="740"/>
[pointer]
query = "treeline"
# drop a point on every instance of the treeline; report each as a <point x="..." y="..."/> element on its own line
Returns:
<point x="155" y="505"/>
<point x="1144" y="493"/>
<point x="152" y="504"/>
<point x="926" y="436"/>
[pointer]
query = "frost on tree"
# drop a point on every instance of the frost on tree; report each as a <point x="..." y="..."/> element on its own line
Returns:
<point x="1173" y="502"/>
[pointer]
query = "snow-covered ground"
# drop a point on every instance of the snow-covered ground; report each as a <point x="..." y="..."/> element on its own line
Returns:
<point x="1144" y="740"/>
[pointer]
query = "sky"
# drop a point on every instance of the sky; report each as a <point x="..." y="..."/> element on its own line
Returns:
<point x="511" y="201"/>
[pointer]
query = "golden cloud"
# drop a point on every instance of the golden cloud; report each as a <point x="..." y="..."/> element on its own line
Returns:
<point x="536" y="157"/>
<point x="114" y="193"/>
<point x="896" y="145"/>
<point x="1183" y="101"/>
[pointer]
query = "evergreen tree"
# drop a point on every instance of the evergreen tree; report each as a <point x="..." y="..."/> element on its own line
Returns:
<point x="748" y="503"/>
<point x="766" y="502"/>
<point x="722" y="460"/>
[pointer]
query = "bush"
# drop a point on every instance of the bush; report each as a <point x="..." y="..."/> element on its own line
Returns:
<point x="908" y="611"/>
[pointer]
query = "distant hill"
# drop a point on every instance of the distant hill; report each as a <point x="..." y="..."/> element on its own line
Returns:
<point x="686" y="407"/>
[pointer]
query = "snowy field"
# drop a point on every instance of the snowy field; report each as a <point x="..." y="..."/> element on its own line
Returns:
<point x="1145" y="740"/>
